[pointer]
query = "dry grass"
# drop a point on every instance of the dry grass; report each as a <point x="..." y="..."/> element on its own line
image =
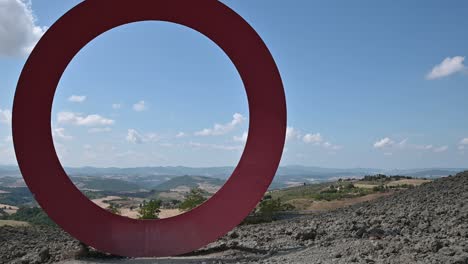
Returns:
<point x="166" y="213"/>
<point x="305" y="204"/>
<point x="125" y="206"/>
<point x="12" y="223"/>
<point x="415" y="182"/>
<point x="181" y="189"/>
<point x="9" y="209"/>
<point x="209" y="187"/>
<point x="100" y="202"/>
<point x="171" y="195"/>
<point x="364" y="185"/>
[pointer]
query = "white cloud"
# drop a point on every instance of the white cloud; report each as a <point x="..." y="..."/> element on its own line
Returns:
<point x="5" y="116"/>
<point x="99" y="129"/>
<point x="424" y="147"/>
<point x="447" y="67"/>
<point x="116" y="106"/>
<point x="313" y="138"/>
<point x="463" y="144"/>
<point x="385" y="142"/>
<point x="292" y="133"/>
<point x="151" y="137"/>
<point x="403" y="143"/>
<point x="59" y="132"/>
<point x="9" y="139"/>
<point x="331" y="146"/>
<point x="219" y="129"/>
<point x="441" y="149"/>
<point x="77" y="98"/>
<point x="309" y="138"/>
<point x="140" y="106"/>
<point x="180" y="135"/>
<point x="224" y="147"/>
<point x="18" y="30"/>
<point x="135" y="137"/>
<point x="80" y="120"/>
<point x="242" y="138"/>
<point x="215" y="146"/>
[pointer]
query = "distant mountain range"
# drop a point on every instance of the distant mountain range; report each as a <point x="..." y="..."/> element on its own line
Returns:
<point x="155" y="177"/>
<point x="170" y="181"/>
<point x="225" y="172"/>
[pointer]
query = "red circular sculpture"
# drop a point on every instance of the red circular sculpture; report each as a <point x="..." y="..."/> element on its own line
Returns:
<point x="107" y="232"/>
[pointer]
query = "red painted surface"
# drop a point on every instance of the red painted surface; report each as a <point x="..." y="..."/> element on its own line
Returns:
<point x="75" y="213"/>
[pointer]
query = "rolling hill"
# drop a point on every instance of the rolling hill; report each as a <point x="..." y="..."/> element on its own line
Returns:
<point x="105" y="184"/>
<point x="182" y="183"/>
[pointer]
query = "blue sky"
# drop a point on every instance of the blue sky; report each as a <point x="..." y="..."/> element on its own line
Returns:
<point x="368" y="85"/>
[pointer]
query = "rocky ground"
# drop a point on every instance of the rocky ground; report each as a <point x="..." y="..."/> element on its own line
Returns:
<point x="36" y="244"/>
<point x="427" y="224"/>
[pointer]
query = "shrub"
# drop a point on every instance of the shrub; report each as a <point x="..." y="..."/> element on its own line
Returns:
<point x="266" y="210"/>
<point x="193" y="199"/>
<point x="33" y="215"/>
<point x="113" y="208"/>
<point x="149" y="210"/>
<point x="269" y="206"/>
<point x="379" y="188"/>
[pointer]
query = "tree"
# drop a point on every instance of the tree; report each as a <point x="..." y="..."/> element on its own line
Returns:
<point x="193" y="199"/>
<point x="149" y="210"/>
<point x="269" y="206"/>
<point x="113" y="209"/>
<point x="379" y="188"/>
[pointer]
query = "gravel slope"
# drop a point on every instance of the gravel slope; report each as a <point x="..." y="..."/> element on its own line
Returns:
<point x="36" y="244"/>
<point x="427" y="224"/>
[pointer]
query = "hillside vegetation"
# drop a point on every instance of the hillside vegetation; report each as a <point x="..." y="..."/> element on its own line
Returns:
<point x="124" y="197"/>
<point x="189" y="182"/>
<point x="344" y="192"/>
